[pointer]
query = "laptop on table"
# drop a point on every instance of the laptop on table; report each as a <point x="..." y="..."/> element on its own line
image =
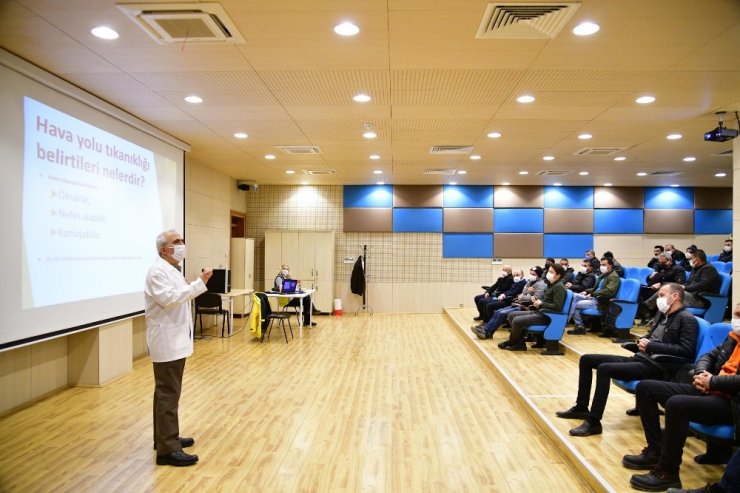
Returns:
<point x="289" y="286"/>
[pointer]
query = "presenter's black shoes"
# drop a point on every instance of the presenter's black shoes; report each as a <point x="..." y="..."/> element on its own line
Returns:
<point x="655" y="480"/>
<point x="647" y="460"/>
<point x="586" y="429"/>
<point x="178" y="459"/>
<point x="184" y="442"/>
<point x="575" y="412"/>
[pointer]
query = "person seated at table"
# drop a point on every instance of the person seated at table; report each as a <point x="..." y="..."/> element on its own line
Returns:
<point x="283" y="274"/>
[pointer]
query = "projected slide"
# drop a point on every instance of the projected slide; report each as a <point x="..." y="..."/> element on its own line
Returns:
<point x="91" y="210"/>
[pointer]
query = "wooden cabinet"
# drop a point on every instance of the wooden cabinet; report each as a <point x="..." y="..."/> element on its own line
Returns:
<point x="242" y="269"/>
<point x="310" y="255"/>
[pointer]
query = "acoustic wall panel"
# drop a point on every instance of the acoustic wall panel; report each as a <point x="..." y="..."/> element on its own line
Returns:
<point x="368" y="196"/>
<point x="517" y="245"/>
<point x="468" y="196"/>
<point x="569" y="197"/>
<point x="618" y="221"/>
<point x="567" y="246"/>
<point x="669" y="221"/>
<point x="513" y="196"/>
<point x="368" y="219"/>
<point x="713" y="198"/>
<point x="518" y="220"/>
<point x="468" y="220"/>
<point x="569" y="220"/>
<point x="711" y="222"/>
<point x="417" y="220"/>
<point x="466" y="245"/>
<point x="417" y="196"/>
<point x="669" y="198"/>
<point x="619" y="198"/>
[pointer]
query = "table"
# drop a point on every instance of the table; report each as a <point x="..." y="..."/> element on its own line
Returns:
<point x="229" y="297"/>
<point x="292" y="296"/>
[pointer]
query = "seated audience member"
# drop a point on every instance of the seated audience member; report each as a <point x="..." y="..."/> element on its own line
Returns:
<point x="504" y="282"/>
<point x="284" y="273"/>
<point x="616" y="265"/>
<point x="729" y="483"/>
<point x="704" y="279"/>
<point x="553" y="300"/>
<point x="657" y="250"/>
<point x="678" y="256"/>
<point x="726" y="255"/>
<point x="548" y="262"/>
<point x="606" y="288"/>
<point x="569" y="273"/>
<point x="535" y="287"/>
<point x="689" y="255"/>
<point x="585" y="279"/>
<point x="504" y="299"/>
<point x="667" y="271"/>
<point x="592" y="259"/>
<point x="674" y="333"/>
<point x="712" y="399"/>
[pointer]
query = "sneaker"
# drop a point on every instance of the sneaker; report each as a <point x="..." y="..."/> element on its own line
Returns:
<point x="575" y="412"/>
<point x="578" y="331"/>
<point x="655" y="480"/>
<point x="586" y="429"/>
<point x="474" y="328"/>
<point x="647" y="459"/>
<point x="482" y="334"/>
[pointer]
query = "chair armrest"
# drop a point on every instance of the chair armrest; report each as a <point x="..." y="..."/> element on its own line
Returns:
<point x="627" y="302"/>
<point x="670" y="359"/>
<point x="631" y="347"/>
<point x="548" y="311"/>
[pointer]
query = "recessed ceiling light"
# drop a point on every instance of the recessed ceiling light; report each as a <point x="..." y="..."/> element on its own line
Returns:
<point x="374" y="157"/>
<point x="193" y="99"/>
<point x="674" y="185"/>
<point x="380" y="183"/>
<point x="641" y="173"/>
<point x="525" y="98"/>
<point x="462" y="172"/>
<point x="369" y="134"/>
<point x="494" y="135"/>
<point x="378" y="172"/>
<point x="585" y="136"/>
<point x="270" y="156"/>
<point x="548" y="158"/>
<point x="346" y="29"/>
<point x="104" y="32"/>
<point x="558" y="184"/>
<point x="289" y="172"/>
<point x="620" y="158"/>
<point x="689" y="159"/>
<point x="586" y="29"/>
<point x="607" y="184"/>
<point x="673" y="136"/>
<point x="583" y="173"/>
<point x="720" y="175"/>
<point x="453" y="183"/>
<point x="475" y="157"/>
<point x="524" y="172"/>
<point x="645" y="100"/>
<point x="506" y="183"/>
<point x="362" y="98"/>
<point x="241" y="135"/>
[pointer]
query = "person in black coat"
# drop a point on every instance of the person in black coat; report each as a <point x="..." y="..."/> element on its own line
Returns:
<point x="506" y="298"/>
<point x="585" y="279"/>
<point x="667" y="271"/>
<point x="654" y="262"/>
<point x="677" y="255"/>
<point x="502" y="284"/>
<point x="726" y="255"/>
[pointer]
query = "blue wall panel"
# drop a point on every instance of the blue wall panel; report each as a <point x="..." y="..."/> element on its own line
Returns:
<point x="669" y="198"/>
<point x="518" y="220"/>
<point x="713" y="222"/>
<point x="618" y="221"/>
<point x="570" y="246"/>
<point x="368" y="196"/>
<point x="569" y="197"/>
<point x="467" y="245"/>
<point x="417" y="220"/>
<point x="468" y="196"/>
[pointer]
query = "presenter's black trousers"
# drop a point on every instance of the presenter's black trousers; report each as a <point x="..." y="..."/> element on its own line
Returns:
<point x="167" y="387"/>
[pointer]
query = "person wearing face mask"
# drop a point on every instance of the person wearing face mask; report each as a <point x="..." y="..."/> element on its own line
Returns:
<point x="284" y="273"/>
<point x="505" y="299"/>
<point x="502" y="284"/>
<point x="667" y="271"/>
<point x="726" y="255"/>
<point x="674" y="333"/>
<point x="677" y="255"/>
<point x="169" y="335"/>
<point x="569" y="272"/>
<point x="607" y="285"/>
<point x="689" y="255"/>
<point x="713" y="398"/>
<point x="585" y="279"/>
<point x="553" y="300"/>
<point x="592" y="259"/>
<point x="616" y="266"/>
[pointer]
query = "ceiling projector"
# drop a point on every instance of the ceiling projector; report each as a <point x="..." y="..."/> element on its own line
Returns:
<point x="721" y="133"/>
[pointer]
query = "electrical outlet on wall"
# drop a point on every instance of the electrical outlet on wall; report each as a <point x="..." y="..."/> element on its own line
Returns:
<point x="497" y="261"/>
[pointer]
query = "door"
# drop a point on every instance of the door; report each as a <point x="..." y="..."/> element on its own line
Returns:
<point x="323" y="281"/>
<point x="306" y="258"/>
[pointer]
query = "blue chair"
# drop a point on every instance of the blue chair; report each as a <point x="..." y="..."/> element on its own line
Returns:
<point x="725" y="267"/>
<point x="717" y="302"/>
<point x="553" y="331"/>
<point x="622" y="310"/>
<point x="632" y="273"/>
<point x="644" y="272"/>
<point x="712" y="258"/>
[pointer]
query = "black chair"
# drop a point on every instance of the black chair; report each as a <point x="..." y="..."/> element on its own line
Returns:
<point x="269" y="317"/>
<point x="211" y="304"/>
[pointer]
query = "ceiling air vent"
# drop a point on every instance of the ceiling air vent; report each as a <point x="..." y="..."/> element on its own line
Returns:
<point x="439" y="171"/>
<point x="525" y="20"/>
<point x="665" y="173"/>
<point x="728" y="152"/>
<point x="450" y="149"/>
<point x="598" y="151"/>
<point x="320" y="172"/>
<point x="170" y="23"/>
<point x="300" y="149"/>
<point x="553" y="172"/>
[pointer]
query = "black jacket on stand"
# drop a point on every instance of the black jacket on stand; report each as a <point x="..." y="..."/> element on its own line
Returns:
<point x="357" y="281"/>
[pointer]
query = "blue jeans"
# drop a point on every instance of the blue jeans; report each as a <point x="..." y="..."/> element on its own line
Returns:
<point x="499" y="317"/>
<point x="583" y="304"/>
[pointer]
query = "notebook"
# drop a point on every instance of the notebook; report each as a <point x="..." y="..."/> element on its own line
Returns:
<point x="289" y="286"/>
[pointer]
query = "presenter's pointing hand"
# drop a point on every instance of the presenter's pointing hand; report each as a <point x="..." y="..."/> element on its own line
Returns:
<point x="206" y="274"/>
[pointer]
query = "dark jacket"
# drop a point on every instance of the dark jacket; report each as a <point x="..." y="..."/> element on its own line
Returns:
<point x="608" y="289"/>
<point x="679" y="339"/>
<point x="654" y="263"/>
<point x="617" y="267"/>
<point x="554" y="296"/>
<point x="725" y="256"/>
<point x="705" y="279"/>
<point x="583" y="282"/>
<point x="679" y="258"/>
<point x="674" y="273"/>
<point x="568" y="275"/>
<point x="501" y="285"/>
<point x="515" y="289"/>
<point x="357" y="281"/>
<point x="712" y="362"/>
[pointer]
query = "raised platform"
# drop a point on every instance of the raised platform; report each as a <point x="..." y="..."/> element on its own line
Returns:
<point x="545" y="384"/>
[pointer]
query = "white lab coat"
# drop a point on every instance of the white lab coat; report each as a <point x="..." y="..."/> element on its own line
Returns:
<point x="168" y="314"/>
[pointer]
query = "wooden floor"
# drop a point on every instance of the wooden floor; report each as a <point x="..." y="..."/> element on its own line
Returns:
<point x="396" y="403"/>
<point x="549" y="383"/>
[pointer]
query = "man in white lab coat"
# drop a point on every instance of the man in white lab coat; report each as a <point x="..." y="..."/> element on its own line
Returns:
<point x="169" y="333"/>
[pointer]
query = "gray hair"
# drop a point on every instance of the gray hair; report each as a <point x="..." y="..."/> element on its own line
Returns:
<point x="666" y="255"/>
<point x="162" y="239"/>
